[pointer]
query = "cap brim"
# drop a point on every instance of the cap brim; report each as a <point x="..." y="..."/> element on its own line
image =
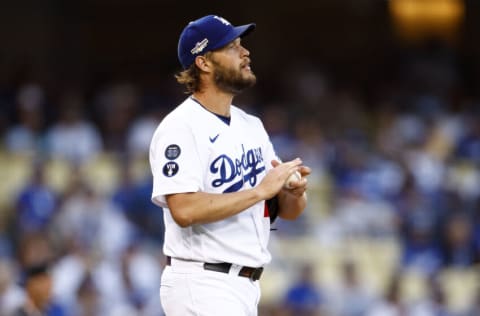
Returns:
<point x="238" y="31"/>
<point x="246" y="29"/>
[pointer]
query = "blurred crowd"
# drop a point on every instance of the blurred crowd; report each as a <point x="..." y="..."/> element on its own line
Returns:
<point x="392" y="226"/>
<point x="80" y="212"/>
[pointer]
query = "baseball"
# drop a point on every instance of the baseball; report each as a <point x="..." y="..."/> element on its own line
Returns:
<point x="293" y="177"/>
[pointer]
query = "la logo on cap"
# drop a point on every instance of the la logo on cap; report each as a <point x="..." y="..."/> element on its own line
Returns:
<point x="221" y="19"/>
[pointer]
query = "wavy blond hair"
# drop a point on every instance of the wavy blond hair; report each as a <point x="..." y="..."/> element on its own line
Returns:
<point x="190" y="77"/>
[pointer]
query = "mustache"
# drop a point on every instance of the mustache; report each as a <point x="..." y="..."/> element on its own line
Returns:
<point x="247" y="62"/>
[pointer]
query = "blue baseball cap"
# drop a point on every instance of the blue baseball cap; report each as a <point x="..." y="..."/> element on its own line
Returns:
<point x="206" y="34"/>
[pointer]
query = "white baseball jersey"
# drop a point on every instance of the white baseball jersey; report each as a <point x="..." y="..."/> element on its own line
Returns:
<point x="194" y="150"/>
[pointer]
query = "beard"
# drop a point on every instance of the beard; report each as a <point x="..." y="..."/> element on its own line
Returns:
<point x="232" y="80"/>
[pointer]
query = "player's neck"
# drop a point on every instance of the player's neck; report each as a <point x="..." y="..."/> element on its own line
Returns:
<point x="216" y="102"/>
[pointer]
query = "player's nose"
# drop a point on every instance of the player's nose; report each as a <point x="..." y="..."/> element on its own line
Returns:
<point x="244" y="51"/>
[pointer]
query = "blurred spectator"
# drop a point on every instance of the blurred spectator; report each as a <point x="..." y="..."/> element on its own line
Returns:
<point x="73" y="273"/>
<point x="133" y="199"/>
<point x="117" y="105"/>
<point x="38" y="287"/>
<point x="435" y="303"/>
<point x="91" y="283"/>
<point x="458" y="248"/>
<point x="11" y="295"/>
<point x="351" y="297"/>
<point x="418" y="222"/>
<point x="469" y="146"/>
<point x="76" y="281"/>
<point x="390" y="304"/>
<point x="26" y="137"/>
<point x="36" y="204"/>
<point x="73" y="137"/>
<point x="93" y="221"/>
<point x="303" y="297"/>
<point x="141" y="131"/>
<point x="420" y="250"/>
<point x="377" y="219"/>
<point x="141" y="275"/>
<point x="34" y="249"/>
<point x="427" y="170"/>
<point x="87" y="302"/>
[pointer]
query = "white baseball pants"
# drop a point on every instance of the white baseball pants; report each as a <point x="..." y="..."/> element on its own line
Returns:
<point x="188" y="290"/>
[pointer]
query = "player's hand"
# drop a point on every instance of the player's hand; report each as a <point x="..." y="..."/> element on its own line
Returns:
<point x="275" y="179"/>
<point x="298" y="187"/>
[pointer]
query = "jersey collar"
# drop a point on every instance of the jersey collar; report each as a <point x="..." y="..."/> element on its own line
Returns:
<point x="223" y="118"/>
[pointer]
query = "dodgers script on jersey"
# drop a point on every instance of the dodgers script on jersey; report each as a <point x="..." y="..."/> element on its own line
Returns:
<point x="194" y="150"/>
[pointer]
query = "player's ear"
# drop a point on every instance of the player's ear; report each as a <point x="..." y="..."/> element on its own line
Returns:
<point x="203" y="63"/>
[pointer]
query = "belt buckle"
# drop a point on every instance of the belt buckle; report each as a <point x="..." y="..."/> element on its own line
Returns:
<point x="256" y="274"/>
<point x="234" y="269"/>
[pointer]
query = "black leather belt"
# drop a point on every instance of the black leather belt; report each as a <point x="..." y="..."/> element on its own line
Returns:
<point x="224" y="267"/>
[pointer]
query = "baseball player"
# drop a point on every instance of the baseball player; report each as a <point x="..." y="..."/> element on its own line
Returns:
<point x="218" y="180"/>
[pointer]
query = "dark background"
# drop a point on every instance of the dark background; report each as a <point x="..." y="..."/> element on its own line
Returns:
<point x="87" y="43"/>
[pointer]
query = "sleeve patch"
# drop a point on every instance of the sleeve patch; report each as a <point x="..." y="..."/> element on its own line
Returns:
<point x="172" y="151"/>
<point x="170" y="169"/>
